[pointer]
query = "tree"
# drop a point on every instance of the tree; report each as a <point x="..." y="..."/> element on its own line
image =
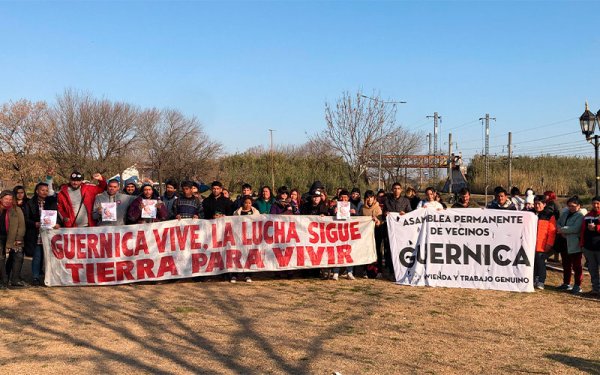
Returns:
<point x="176" y="144"/>
<point x="92" y="135"/>
<point x="399" y="144"/>
<point x="356" y="126"/>
<point x="24" y="133"/>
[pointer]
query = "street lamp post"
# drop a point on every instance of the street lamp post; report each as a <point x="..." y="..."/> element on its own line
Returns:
<point x="588" y="121"/>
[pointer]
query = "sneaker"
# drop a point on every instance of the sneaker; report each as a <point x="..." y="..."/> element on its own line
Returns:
<point x="233" y="280"/>
<point x="336" y="276"/>
<point x="565" y="287"/>
<point x="36" y="282"/>
<point x="351" y="276"/>
<point x="18" y="284"/>
<point x="248" y="279"/>
<point x="576" y="290"/>
<point x="365" y="276"/>
<point x="539" y="286"/>
<point x="379" y="276"/>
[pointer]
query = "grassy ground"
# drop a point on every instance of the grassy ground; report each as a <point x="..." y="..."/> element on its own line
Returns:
<point x="296" y="326"/>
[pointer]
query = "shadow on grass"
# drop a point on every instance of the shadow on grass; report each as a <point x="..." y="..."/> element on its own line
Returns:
<point x="129" y="315"/>
<point x="581" y="364"/>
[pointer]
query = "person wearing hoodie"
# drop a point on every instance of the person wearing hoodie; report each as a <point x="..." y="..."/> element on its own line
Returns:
<point x="501" y="201"/>
<point x="546" y="234"/>
<point x="112" y="195"/>
<point x="515" y="197"/>
<point x="76" y="200"/>
<point x="170" y="197"/>
<point x="569" y="227"/>
<point x="131" y="189"/>
<point x="590" y="240"/>
<point x="140" y="204"/>
<point x="12" y="232"/>
<point x="41" y="200"/>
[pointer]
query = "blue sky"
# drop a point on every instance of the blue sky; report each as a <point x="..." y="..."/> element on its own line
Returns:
<point x="245" y="67"/>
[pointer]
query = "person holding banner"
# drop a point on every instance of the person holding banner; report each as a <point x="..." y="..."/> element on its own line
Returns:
<point x="12" y="231"/>
<point x="188" y="206"/>
<point x="76" y="200"/>
<point x="464" y="199"/>
<point x="38" y="204"/>
<point x="546" y="234"/>
<point x="283" y="205"/>
<point x="216" y="205"/>
<point x="371" y="208"/>
<point x="501" y="201"/>
<point x="147" y="207"/>
<point x="394" y="202"/>
<point x="110" y="206"/>
<point x="344" y="196"/>
<point x="430" y="200"/>
<point x="569" y="226"/>
<point x="590" y="240"/>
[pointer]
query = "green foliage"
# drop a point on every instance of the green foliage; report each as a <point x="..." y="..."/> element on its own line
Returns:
<point x="563" y="175"/>
<point x="291" y="169"/>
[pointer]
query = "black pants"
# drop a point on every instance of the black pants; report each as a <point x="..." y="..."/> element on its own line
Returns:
<point x="3" y="278"/>
<point x="10" y="266"/>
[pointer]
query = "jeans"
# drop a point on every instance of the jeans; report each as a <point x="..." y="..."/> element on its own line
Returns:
<point x="539" y="267"/>
<point x="17" y="258"/>
<point x="348" y="269"/>
<point x="593" y="258"/>
<point x="571" y="264"/>
<point x="36" y="261"/>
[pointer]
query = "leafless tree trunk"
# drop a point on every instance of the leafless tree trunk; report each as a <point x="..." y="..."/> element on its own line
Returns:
<point x="355" y="129"/>
<point x="24" y="133"/>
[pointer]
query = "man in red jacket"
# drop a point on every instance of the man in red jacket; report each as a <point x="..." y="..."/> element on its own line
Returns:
<point x="76" y="200"/>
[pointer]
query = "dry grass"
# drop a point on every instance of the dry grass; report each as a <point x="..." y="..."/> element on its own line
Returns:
<point x="296" y="326"/>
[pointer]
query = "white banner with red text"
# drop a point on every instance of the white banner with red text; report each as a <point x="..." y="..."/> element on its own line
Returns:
<point x="464" y="248"/>
<point x="177" y="249"/>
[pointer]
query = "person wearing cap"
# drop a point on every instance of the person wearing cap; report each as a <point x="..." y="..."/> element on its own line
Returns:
<point x="12" y="232"/>
<point x="170" y="197"/>
<point x="216" y="205"/>
<point x="41" y="200"/>
<point x="76" y="200"/>
<point x="315" y="205"/>
<point x="187" y="206"/>
<point x="134" y="213"/>
<point x="112" y="195"/>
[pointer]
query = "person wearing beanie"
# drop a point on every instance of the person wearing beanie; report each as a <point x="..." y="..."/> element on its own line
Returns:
<point x="355" y="199"/>
<point x="170" y="197"/>
<point x="12" y="232"/>
<point x="137" y="207"/>
<point x="76" y="200"/>
<point x="529" y="197"/>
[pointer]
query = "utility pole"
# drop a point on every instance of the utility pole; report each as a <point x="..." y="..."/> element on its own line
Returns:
<point x="272" y="161"/>
<point x="436" y="119"/>
<point x="429" y="154"/>
<point x="450" y="160"/>
<point x="510" y="160"/>
<point x="486" y="154"/>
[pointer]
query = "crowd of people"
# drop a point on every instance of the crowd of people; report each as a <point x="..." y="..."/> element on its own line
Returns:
<point x="571" y="232"/>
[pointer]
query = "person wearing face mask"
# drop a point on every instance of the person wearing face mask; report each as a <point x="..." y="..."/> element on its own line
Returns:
<point x="76" y="200"/>
<point x="12" y="232"/>
<point x="41" y="200"/>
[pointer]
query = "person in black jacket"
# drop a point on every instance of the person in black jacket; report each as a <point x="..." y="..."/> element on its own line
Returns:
<point x="216" y="205"/>
<point x="315" y="205"/>
<point x="33" y="242"/>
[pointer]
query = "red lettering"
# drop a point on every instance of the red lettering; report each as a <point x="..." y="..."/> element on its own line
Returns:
<point x="216" y="260"/>
<point x="144" y="268"/>
<point x="254" y="258"/>
<point x="314" y="237"/>
<point x="233" y="258"/>
<point x="89" y="273"/>
<point x="198" y="261"/>
<point x="182" y="234"/>
<point x="343" y="254"/>
<point x="56" y="245"/>
<point x="228" y="238"/>
<point x="195" y="244"/>
<point x="140" y="243"/>
<point x="167" y="264"/>
<point x="300" y="256"/>
<point x="268" y="237"/>
<point x="245" y="239"/>
<point x="315" y="258"/>
<point x="283" y="256"/>
<point x="279" y="232"/>
<point x="330" y="255"/>
<point x="292" y="233"/>
<point x="215" y="243"/>
<point x="161" y="242"/>
<point x="354" y="232"/>
<point x="257" y="232"/>
<point x="70" y="246"/>
<point x="105" y="272"/>
<point x="330" y="233"/>
<point x="74" y="268"/>
<point x="106" y="245"/>
<point x="123" y="270"/>
<point x="92" y="244"/>
<point x="126" y="250"/>
<point x="80" y="245"/>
